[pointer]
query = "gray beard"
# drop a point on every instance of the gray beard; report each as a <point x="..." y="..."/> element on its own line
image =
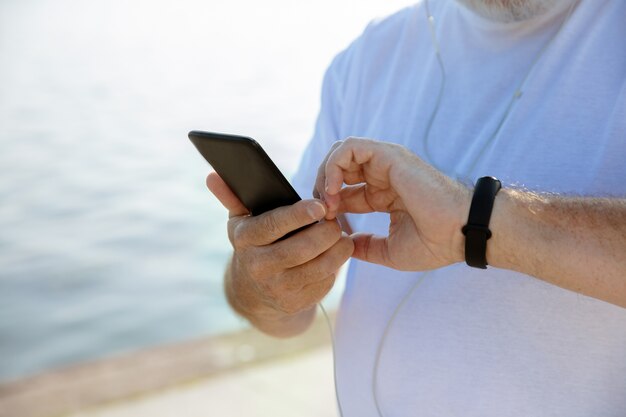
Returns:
<point x="507" y="11"/>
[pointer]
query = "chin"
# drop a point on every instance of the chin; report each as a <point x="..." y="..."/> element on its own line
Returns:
<point x="508" y="11"/>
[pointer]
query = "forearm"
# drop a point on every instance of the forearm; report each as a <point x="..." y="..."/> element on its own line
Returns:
<point x="266" y="319"/>
<point x="574" y="243"/>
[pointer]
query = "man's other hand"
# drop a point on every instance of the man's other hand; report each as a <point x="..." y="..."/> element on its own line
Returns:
<point x="427" y="209"/>
<point x="274" y="283"/>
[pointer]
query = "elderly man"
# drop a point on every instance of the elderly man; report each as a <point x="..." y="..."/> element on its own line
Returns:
<point x="532" y="92"/>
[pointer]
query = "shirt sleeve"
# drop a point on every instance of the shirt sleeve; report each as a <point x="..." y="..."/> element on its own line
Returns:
<point x="328" y="126"/>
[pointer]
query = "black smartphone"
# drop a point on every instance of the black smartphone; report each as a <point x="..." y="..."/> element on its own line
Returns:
<point x="246" y="169"/>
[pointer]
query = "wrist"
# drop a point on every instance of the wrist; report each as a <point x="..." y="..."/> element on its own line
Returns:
<point x="505" y="216"/>
<point x="451" y="201"/>
<point x="464" y="202"/>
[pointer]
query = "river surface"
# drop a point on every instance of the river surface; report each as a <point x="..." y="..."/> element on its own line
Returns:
<point x="109" y="241"/>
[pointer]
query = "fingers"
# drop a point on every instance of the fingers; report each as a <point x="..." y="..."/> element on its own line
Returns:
<point x="365" y="198"/>
<point x="270" y="226"/>
<point x="345" y="165"/>
<point x="353" y="175"/>
<point x="340" y="160"/>
<point x="295" y="301"/>
<point x="320" y="181"/>
<point x="310" y="252"/>
<point x="218" y="187"/>
<point x="344" y="162"/>
<point x="325" y="264"/>
<point x="277" y="273"/>
<point x="370" y="248"/>
<point x="308" y="284"/>
<point x="307" y="244"/>
<point x="297" y="250"/>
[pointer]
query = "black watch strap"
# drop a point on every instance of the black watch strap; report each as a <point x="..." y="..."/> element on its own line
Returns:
<point x="476" y="230"/>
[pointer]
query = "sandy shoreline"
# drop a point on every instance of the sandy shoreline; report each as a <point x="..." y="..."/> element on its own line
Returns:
<point x="296" y="385"/>
<point x="213" y="364"/>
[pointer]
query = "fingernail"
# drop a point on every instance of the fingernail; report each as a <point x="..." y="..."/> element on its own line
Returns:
<point x="326" y="185"/>
<point x="316" y="210"/>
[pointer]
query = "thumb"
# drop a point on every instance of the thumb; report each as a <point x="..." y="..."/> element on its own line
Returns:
<point x="218" y="187"/>
<point x="371" y="248"/>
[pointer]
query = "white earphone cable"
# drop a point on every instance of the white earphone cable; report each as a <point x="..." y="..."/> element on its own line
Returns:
<point x="332" y="342"/>
<point x="379" y="349"/>
<point x="442" y="86"/>
<point x="519" y="91"/>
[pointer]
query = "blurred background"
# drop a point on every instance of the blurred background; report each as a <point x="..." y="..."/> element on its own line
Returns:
<point x="109" y="241"/>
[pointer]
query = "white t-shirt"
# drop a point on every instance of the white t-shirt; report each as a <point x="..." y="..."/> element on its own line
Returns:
<point x="470" y="342"/>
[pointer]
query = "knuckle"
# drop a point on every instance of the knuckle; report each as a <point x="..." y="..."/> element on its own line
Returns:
<point x="321" y="270"/>
<point x="338" y="255"/>
<point x="328" y="267"/>
<point x="268" y="290"/>
<point x="231" y="227"/>
<point x="328" y="284"/>
<point x="255" y="263"/>
<point x="324" y="286"/>
<point x="273" y="287"/>
<point x="333" y="229"/>
<point x="271" y="224"/>
<point x="288" y="306"/>
<point x="299" y="214"/>
<point x="291" y="285"/>
<point x="310" y="246"/>
<point x="287" y="285"/>
<point x="299" y="248"/>
<point x="307" y="273"/>
<point x="347" y="246"/>
<point x="281" y="252"/>
<point x="238" y="234"/>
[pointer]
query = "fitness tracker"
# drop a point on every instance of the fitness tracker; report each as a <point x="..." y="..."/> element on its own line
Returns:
<point x="476" y="230"/>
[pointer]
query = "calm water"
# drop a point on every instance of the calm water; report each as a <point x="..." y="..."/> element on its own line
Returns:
<point x="108" y="239"/>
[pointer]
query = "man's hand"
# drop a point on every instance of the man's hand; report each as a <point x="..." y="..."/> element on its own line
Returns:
<point x="427" y="209"/>
<point x="575" y="243"/>
<point x="277" y="284"/>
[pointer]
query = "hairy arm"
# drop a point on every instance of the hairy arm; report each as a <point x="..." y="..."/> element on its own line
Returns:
<point x="574" y="243"/>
